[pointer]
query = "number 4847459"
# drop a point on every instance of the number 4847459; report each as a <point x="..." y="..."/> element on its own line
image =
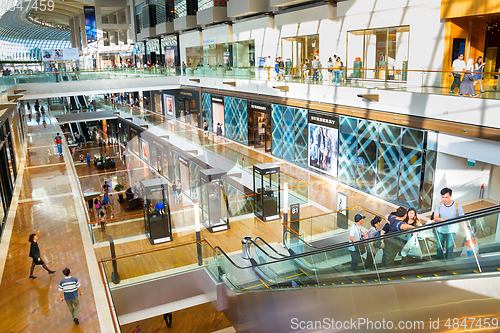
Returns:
<point x="471" y="323"/>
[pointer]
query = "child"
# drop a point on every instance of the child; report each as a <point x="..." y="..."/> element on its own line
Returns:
<point x="81" y="158"/>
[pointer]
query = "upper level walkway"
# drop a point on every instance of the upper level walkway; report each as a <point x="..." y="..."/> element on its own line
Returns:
<point x="47" y="202"/>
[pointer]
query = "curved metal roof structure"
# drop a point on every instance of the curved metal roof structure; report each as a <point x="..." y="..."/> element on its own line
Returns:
<point x="24" y="32"/>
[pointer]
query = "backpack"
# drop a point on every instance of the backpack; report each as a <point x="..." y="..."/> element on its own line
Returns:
<point x="366" y="235"/>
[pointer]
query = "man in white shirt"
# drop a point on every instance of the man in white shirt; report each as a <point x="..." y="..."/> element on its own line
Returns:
<point x="458" y="67"/>
<point x="315" y="66"/>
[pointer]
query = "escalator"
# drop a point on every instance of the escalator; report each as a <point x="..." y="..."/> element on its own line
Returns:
<point x="82" y="101"/>
<point x="72" y="103"/>
<point x="85" y="131"/>
<point x="298" y="264"/>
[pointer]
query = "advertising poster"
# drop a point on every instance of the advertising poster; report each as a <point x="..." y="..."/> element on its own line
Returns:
<point x="60" y="54"/>
<point x="90" y="25"/>
<point x="47" y="55"/>
<point x="169" y="105"/>
<point x="144" y="150"/>
<point x="341" y="203"/>
<point x="323" y="143"/>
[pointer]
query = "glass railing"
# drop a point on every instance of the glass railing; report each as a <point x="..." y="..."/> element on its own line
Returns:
<point x="371" y="78"/>
<point x="461" y="247"/>
<point x="325" y="225"/>
<point x="159" y="263"/>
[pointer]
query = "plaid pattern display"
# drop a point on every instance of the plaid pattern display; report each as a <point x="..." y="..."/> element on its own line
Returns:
<point x="411" y="166"/>
<point x="236" y="119"/>
<point x="388" y="161"/>
<point x="289" y="134"/>
<point x="301" y="137"/>
<point x="206" y="110"/>
<point x="277" y="129"/>
<point x="367" y="154"/>
<point x="348" y="144"/>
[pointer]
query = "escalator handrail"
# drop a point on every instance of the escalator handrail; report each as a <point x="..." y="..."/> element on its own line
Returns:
<point x="262" y="240"/>
<point x="339" y="246"/>
<point x="299" y="238"/>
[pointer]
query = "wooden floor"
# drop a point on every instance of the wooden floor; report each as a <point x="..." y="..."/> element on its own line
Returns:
<point x="202" y="318"/>
<point x="46" y="208"/>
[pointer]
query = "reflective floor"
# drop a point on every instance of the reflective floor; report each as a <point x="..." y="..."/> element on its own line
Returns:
<point x="46" y="206"/>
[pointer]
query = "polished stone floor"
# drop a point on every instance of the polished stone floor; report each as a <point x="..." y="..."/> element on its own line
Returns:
<point x="46" y="207"/>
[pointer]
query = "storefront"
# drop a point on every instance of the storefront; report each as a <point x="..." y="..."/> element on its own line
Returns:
<point x="297" y="49"/>
<point x="259" y="125"/>
<point x="140" y="54"/>
<point x="217" y="115"/>
<point x="187" y="107"/>
<point x="380" y="54"/>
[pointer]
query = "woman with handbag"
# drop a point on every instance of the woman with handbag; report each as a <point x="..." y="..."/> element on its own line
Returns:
<point x="467" y="84"/>
<point x="35" y="255"/>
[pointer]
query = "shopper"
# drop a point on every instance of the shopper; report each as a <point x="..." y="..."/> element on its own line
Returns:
<point x="179" y="191"/>
<point x="102" y="220"/>
<point x="174" y="191"/>
<point x="467" y="84"/>
<point x="337" y="68"/>
<point x="69" y="289"/>
<point x="137" y="329"/>
<point x="205" y="127"/>
<point x="268" y="64"/>
<point x="394" y="245"/>
<point x="168" y="319"/>
<point x="330" y="70"/>
<point x="315" y="66"/>
<point x="445" y="235"/>
<point x="478" y="73"/>
<point x="35" y="255"/>
<point x="131" y="169"/>
<point x="59" y="143"/>
<point x="373" y="247"/>
<point x="354" y="236"/>
<point x="88" y="159"/>
<point x="458" y="68"/>
<point x="111" y="202"/>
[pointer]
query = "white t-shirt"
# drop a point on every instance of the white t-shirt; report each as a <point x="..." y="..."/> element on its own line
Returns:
<point x="355" y="232"/>
<point x="458" y="65"/>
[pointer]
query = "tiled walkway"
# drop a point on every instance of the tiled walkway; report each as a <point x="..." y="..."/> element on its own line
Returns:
<point x="47" y="204"/>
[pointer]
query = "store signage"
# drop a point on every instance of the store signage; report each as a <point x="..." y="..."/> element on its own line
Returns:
<point x="209" y="41"/>
<point x="157" y="189"/>
<point x="471" y="163"/>
<point x="323" y="120"/>
<point x="218" y="100"/>
<point x="272" y="171"/>
<point x="184" y="93"/>
<point x="259" y="106"/>
<point x="158" y="144"/>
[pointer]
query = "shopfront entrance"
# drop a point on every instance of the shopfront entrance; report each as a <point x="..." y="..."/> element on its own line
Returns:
<point x="297" y="49"/>
<point x="188" y="107"/>
<point x="259" y="125"/>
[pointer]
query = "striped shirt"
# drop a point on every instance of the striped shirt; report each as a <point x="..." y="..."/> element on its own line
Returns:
<point x="69" y="285"/>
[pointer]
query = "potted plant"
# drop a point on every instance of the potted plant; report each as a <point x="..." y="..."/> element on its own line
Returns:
<point x="119" y="188"/>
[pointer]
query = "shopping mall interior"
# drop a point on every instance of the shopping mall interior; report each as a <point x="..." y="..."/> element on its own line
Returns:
<point x="249" y="166"/>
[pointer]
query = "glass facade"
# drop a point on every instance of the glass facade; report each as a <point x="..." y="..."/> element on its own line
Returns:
<point x="382" y="53"/>
<point x="165" y="11"/>
<point x="388" y="161"/>
<point x="236" y="119"/>
<point x="180" y="8"/>
<point x="289" y="133"/>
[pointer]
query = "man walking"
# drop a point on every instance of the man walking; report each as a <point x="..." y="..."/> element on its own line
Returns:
<point x="69" y="289"/>
<point x="315" y="66"/>
<point x="111" y="202"/>
<point x="445" y="235"/>
<point x="59" y="143"/>
<point x="458" y="67"/>
<point x="88" y="159"/>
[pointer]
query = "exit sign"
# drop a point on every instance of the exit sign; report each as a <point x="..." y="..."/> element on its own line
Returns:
<point x="471" y="163"/>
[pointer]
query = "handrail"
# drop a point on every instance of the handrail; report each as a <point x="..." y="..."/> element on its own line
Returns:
<point x="426" y="226"/>
<point x="108" y="297"/>
<point x="213" y="67"/>
<point x="158" y="249"/>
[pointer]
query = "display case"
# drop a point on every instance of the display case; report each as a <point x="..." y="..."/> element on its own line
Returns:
<point x="266" y="186"/>
<point x="157" y="219"/>
<point x="213" y="204"/>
